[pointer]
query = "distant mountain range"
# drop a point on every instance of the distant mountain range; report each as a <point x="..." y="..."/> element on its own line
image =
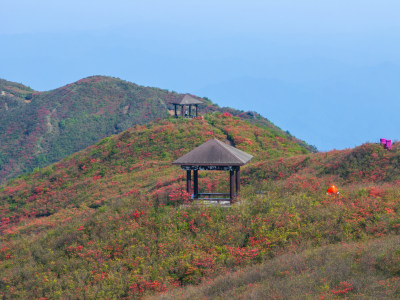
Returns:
<point x="39" y="128"/>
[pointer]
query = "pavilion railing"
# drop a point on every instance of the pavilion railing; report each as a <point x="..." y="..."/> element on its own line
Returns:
<point x="212" y="196"/>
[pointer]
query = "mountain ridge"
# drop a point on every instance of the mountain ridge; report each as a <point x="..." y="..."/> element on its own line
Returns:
<point x="39" y="128"/>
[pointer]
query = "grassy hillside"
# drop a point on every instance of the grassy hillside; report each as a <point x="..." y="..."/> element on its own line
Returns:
<point x="39" y="128"/>
<point x="322" y="246"/>
<point x="363" y="270"/>
<point x="13" y="94"/>
<point x="108" y="222"/>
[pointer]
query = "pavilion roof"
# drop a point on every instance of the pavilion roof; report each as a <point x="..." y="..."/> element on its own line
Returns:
<point x="187" y="99"/>
<point x="214" y="153"/>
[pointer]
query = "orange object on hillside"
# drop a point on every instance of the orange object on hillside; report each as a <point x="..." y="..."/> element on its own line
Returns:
<point x="333" y="190"/>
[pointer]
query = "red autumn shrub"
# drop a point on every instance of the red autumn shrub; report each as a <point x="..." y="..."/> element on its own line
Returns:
<point x="179" y="195"/>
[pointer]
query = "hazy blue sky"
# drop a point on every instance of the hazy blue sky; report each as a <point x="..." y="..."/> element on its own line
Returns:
<point x="327" y="71"/>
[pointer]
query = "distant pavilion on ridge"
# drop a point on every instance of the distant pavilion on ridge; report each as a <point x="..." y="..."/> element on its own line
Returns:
<point x="186" y="101"/>
<point x="213" y="155"/>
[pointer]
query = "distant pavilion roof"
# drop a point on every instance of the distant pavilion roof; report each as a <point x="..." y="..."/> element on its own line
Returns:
<point x="214" y="153"/>
<point x="187" y="100"/>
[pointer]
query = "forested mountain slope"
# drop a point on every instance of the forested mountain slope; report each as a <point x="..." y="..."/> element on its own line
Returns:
<point x="39" y="128"/>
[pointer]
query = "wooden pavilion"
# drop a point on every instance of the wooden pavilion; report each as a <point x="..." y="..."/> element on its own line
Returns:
<point x="187" y="101"/>
<point x="213" y="155"/>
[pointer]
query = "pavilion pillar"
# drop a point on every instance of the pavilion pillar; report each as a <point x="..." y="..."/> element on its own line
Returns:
<point x="183" y="113"/>
<point x="196" y="182"/>
<point x="197" y="110"/>
<point x="189" y="181"/>
<point x="190" y="110"/>
<point x="231" y="184"/>
<point x="176" y="113"/>
<point x="238" y="180"/>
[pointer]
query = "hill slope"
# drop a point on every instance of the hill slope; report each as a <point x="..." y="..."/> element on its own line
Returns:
<point x="363" y="270"/>
<point x="127" y="178"/>
<point x="323" y="246"/>
<point x="108" y="222"/>
<point x="39" y="128"/>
